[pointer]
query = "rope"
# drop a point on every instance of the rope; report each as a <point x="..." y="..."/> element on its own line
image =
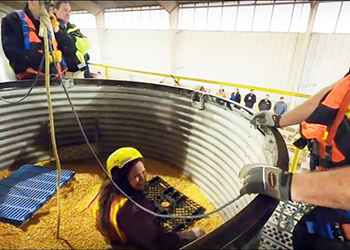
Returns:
<point x="44" y="33"/>
<point x="200" y="216"/>
<point x="31" y="87"/>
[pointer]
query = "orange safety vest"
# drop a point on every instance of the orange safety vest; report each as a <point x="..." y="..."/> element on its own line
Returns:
<point x="31" y="38"/>
<point x="115" y="207"/>
<point x="329" y="124"/>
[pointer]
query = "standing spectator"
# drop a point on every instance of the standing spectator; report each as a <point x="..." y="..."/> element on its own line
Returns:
<point x="221" y="92"/>
<point x="280" y="107"/>
<point x="265" y="104"/>
<point x="250" y="99"/>
<point x="236" y="96"/>
<point x="71" y="41"/>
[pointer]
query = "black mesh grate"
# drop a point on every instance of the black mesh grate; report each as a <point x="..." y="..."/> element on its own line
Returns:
<point x="168" y="200"/>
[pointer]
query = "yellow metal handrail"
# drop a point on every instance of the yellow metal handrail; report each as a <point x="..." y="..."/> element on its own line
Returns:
<point x="178" y="78"/>
<point x="295" y="160"/>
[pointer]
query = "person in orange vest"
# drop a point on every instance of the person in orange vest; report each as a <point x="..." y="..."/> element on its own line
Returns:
<point x="325" y="127"/>
<point x="24" y="47"/>
<point x="119" y="220"/>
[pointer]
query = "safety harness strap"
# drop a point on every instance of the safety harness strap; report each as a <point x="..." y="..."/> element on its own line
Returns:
<point x="344" y="107"/>
<point x="25" y="29"/>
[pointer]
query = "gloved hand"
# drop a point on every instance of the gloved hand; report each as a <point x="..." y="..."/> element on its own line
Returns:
<point x="266" y="118"/>
<point x="58" y="56"/>
<point x="266" y="180"/>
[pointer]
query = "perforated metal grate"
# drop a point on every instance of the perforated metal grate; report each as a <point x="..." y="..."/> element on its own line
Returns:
<point x="277" y="232"/>
<point x="168" y="200"/>
<point x="26" y="190"/>
<point x="273" y="239"/>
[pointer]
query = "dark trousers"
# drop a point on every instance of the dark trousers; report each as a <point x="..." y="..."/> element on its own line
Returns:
<point x="302" y="239"/>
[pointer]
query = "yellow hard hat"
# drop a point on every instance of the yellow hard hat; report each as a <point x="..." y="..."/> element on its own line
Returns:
<point x="120" y="157"/>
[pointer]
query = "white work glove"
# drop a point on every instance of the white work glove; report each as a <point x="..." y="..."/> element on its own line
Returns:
<point x="266" y="118"/>
<point x="266" y="180"/>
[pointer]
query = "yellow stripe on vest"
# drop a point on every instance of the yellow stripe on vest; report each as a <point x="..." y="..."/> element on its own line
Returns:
<point x="119" y="205"/>
<point x="348" y="113"/>
<point x="95" y="210"/>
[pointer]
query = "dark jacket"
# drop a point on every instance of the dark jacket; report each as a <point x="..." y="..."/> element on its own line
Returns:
<point x="264" y="105"/>
<point x="67" y="44"/>
<point x="144" y="230"/>
<point x="14" y="46"/>
<point x="236" y="98"/>
<point x="13" y="43"/>
<point x="249" y="100"/>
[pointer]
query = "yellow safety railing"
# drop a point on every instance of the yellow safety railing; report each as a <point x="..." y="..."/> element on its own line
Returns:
<point x="295" y="161"/>
<point x="132" y="70"/>
<point x="179" y="78"/>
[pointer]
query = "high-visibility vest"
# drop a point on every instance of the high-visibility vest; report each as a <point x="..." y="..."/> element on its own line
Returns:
<point x="115" y="207"/>
<point x="31" y="38"/>
<point x="329" y="126"/>
<point x="82" y="44"/>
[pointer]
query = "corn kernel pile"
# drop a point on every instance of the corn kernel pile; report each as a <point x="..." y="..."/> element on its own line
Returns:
<point x="77" y="227"/>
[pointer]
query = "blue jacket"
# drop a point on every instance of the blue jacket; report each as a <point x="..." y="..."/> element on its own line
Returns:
<point x="280" y="108"/>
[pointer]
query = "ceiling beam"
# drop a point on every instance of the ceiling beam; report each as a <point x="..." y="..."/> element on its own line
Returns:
<point x="168" y="5"/>
<point x="89" y="6"/>
<point x="5" y="8"/>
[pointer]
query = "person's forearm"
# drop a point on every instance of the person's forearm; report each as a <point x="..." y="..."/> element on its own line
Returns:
<point x="327" y="188"/>
<point x="300" y="113"/>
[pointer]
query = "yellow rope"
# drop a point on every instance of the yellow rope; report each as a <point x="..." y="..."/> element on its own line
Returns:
<point x="43" y="31"/>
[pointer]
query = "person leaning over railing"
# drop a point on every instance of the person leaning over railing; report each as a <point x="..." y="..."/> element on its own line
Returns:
<point x="22" y="44"/>
<point x="71" y="41"/>
<point x="325" y="128"/>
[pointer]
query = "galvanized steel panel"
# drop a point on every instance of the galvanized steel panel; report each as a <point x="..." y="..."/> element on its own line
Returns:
<point x="209" y="146"/>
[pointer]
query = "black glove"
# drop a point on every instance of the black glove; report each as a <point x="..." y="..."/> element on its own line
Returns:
<point x="266" y="180"/>
<point x="266" y="118"/>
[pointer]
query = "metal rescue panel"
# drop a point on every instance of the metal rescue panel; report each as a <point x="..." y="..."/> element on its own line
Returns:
<point x="208" y="139"/>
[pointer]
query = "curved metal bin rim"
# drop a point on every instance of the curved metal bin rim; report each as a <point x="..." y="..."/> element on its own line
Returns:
<point x="240" y="229"/>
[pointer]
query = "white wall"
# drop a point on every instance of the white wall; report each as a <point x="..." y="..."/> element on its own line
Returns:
<point x="258" y="59"/>
<point x="138" y="49"/>
<point x="95" y="50"/>
<point x="327" y="61"/>
<point x="270" y="60"/>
